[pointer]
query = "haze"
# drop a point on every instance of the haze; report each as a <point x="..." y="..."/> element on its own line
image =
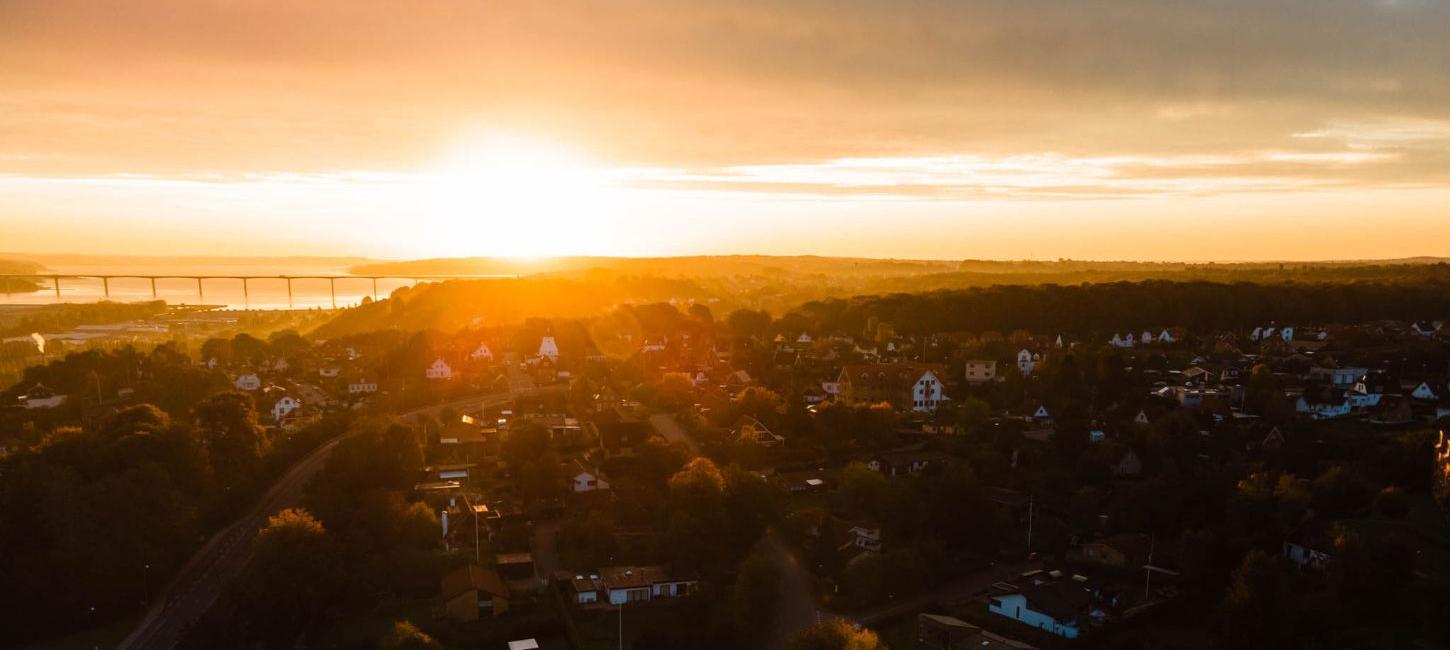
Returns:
<point x="1171" y="130"/>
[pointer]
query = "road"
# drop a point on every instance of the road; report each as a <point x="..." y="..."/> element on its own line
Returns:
<point x="797" y="607"/>
<point x="666" y="425"/>
<point x="202" y="580"/>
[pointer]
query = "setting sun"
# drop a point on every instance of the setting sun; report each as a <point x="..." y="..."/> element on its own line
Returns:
<point x="532" y="195"/>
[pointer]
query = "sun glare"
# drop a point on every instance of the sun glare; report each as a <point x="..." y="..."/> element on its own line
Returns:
<point x="516" y="197"/>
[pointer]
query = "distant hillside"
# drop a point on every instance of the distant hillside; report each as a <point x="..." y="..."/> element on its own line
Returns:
<point x="1103" y="308"/>
<point x="20" y="267"/>
<point x="578" y="287"/>
<point x="696" y="266"/>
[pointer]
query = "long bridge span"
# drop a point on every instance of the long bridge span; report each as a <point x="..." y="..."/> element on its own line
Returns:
<point x="55" y="279"/>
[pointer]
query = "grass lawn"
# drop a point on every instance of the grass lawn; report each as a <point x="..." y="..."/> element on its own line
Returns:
<point x="108" y="636"/>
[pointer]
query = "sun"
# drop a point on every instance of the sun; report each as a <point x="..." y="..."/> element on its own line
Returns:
<point x="513" y="196"/>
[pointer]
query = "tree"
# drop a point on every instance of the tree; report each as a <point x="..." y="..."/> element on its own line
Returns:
<point x="836" y="635"/>
<point x="291" y="580"/>
<point x="748" y="324"/>
<point x="753" y="600"/>
<point x="1256" y="609"/>
<point x="235" y="443"/>
<point x="406" y="636"/>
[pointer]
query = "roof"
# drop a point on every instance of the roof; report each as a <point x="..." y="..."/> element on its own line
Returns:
<point x="1062" y="600"/>
<point x="965" y="635"/>
<point x="513" y="558"/>
<point x="471" y="577"/>
<point x="524" y="644"/>
<point x="889" y="376"/>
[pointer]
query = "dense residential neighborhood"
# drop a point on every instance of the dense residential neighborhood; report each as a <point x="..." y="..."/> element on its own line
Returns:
<point x="1026" y="489"/>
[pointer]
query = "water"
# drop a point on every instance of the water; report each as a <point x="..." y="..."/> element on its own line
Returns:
<point x="261" y="293"/>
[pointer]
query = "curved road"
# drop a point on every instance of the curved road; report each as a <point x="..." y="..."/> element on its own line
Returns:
<point x="201" y="581"/>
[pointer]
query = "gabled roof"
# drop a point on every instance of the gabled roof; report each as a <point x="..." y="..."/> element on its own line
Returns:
<point x="472" y="577"/>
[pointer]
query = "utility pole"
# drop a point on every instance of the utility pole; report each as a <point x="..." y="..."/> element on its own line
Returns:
<point x="621" y="625"/>
<point x="1148" y="570"/>
<point x="1029" y="524"/>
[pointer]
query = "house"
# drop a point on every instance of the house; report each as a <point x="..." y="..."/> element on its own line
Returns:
<point x="481" y="353"/>
<point x="587" y="480"/>
<point x="284" y="406"/>
<point x="622" y="436"/>
<point x="749" y="429"/>
<point x="586" y="589"/>
<point x="1060" y="607"/>
<point x="330" y="372"/>
<point x="1337" y="376"/>
<point x="937" y="632"/>
<point x="362" y="387"/>
<point x="639" y="584"/>
<point x="1323" y="402"/>
<point x="1129" y="465"/>
<point x="1027" y="361"/>
<point x="1165" y="337"/>
<point x="548" y="349"/>
<point x="1142" y="418"/>
<point x="1121" y="341"/>
<point x="247" y="382"/>
<point x="1425" y="328"/>
<point x="907" y="463"/>
<point x="907" y="386"/>
<point x="1424" y="392"/>
<point x="471" y="590"/>
<point x="41" y="396"/>
<point x="981" y="371"/>
<point x="439" y="370"/>
<point x="1306" y="545"/>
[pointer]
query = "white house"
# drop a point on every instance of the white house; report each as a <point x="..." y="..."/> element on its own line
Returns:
<point x="362" y="386"/>
<point x="548" y="349"/>
<point x="1122" y="341"/>
<point x="1027" y="361"/>
<point x="1423" y="392"/>
<point x="1323" y="405"/>
<point x="1166" y="337"/>
<point x="1338" y="376"/>
<point x="1146" y="338"/>
<point x="866" y="536"/>
<point x="439" y="370"/>
<point x="926" y="394"/>
<point x="284" y="406"/>
<point x="653" y="345"/>
<point x="481" y="353"/>
<point x="1061" y="608"/>
<point x="586" y="480"/>
<point x="247" y="382"/>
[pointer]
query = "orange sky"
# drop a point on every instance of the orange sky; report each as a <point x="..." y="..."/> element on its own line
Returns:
<point x="1173" y="129"/>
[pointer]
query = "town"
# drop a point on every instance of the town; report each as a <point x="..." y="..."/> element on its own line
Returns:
<point x="658" y="477"/>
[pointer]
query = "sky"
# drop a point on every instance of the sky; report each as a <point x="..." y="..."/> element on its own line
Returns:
<point x="1156" y="130"/>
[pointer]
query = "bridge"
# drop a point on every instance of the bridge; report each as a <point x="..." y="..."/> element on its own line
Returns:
<point x="55" y="281"/>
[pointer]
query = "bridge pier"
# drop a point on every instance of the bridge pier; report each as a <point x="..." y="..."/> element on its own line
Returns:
<point x="375" y="289"/>
<point x="153" y="288"/>
<point x="56" y="280"/>
<point x="289" y="293"/>
<point x="106" y="285"/>
<point x="332" y="288"/>
<point x="199" y="294"/>
<point x="246" y="295"/>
